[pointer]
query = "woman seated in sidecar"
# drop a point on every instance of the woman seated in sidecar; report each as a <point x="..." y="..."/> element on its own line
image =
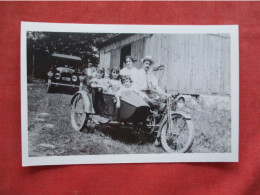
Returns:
<point x="99" y="81"/>
<point x="125" y="103"/>
<point x="115" y="81"/>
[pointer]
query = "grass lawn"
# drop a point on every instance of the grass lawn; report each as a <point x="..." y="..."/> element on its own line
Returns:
<point x="51" y="134"/>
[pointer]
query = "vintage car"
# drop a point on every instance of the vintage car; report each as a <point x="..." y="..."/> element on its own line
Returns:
<point x="65" y="71"/>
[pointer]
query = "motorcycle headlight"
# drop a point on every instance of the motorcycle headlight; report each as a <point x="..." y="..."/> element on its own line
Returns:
<point x="57" y="76"/>
<point x="74" y="78"/>
<point x="50" y="74"/>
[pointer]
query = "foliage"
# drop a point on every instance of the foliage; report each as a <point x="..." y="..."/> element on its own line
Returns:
<point x="211" y="116"/>
<point x="83" y="45"/>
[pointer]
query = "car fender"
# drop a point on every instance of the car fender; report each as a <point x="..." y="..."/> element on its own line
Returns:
<point x="87" y="101"/>
<point x="185" y="115"/>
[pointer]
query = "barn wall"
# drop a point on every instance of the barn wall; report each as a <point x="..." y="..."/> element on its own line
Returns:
<point x="114" y="50"/>
<point x="115" y="57"/>
<point x="137" y="51"/>
<point x="104" y="59"/>
<point x="194" y="63"/>
<point x="124" y="42"/>
<point x="205" y="62"/>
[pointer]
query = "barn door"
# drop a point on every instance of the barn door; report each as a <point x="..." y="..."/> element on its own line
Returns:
<point x="125" y="51"/>
<point x="137" y="52"/>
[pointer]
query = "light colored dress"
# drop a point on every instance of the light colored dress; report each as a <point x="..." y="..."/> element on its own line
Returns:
<point x="114" y="85"/>
<point x="133" y="87"/>
<point x="132" y="72"/>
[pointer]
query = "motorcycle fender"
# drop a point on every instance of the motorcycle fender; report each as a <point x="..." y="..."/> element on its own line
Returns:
<point x="87" y="100"/>
<point x="185" y="115"/>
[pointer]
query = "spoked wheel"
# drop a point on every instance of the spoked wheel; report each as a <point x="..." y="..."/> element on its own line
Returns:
<point x="180" y="137"/>
<point x="79" y="117"/>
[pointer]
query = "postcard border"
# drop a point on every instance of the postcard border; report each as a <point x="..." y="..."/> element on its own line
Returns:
<point x="133" y="158"/>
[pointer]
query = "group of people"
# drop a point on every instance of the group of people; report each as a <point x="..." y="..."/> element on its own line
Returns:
<point x="127" y="79"/>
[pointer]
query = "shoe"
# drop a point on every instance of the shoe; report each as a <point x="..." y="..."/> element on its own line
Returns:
<point x="103" y="120"/>
<point x="95" y="121"/>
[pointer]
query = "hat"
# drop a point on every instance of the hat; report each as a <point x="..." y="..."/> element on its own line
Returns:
<point x="149" y="58"/>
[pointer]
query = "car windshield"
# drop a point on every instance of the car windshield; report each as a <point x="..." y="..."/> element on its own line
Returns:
<point x="67" y="61"/>
<point x="65" y="69"/>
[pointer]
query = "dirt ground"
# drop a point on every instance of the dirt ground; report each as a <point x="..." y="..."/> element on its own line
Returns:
<point x="50" y="132"/>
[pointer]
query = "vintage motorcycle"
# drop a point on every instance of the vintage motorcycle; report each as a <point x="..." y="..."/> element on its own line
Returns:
<point x="172" y="129"/>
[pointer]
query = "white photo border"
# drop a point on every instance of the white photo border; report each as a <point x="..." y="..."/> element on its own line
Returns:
<point x="133" y="158"/>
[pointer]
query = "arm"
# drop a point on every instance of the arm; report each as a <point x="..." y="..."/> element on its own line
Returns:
<point x="159" y="89"/>
<point x="142" y="94"/>
<point x="157" y="86"/>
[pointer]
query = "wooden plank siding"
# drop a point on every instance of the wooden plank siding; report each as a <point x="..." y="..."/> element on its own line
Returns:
<point x="115" y="57"/>
<point x="137" y="52"/>
<point x="105" y="59"/>
<point x="194" y="63"/>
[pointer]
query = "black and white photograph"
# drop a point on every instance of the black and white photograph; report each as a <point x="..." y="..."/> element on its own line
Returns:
<point x="94" y="94"/>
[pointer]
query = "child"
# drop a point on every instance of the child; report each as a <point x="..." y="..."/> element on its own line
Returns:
<point x="129" y="86"/>
<point x="114" y="82"/>
<point x="99" y="81"/>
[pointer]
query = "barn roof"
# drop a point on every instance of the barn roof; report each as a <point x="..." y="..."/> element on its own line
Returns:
<point x="66" y="56"/>
<point x="116" y="38"/>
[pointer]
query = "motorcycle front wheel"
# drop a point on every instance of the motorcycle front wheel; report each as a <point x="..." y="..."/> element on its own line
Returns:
<point x="180" y="137"/>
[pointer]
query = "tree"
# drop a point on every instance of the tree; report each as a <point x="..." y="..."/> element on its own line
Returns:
<point x="44" y="44"/>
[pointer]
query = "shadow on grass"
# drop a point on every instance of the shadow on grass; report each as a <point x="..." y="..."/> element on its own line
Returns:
<point x="126" y="134"/>
<point x="64" y="90"/>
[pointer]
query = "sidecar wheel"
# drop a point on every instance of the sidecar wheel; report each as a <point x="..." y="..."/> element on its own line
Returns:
<point x="178" y="139"/>
<point x="79" y="117"/>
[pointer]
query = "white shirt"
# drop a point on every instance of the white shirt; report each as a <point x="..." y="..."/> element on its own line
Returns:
<point x="133" y="72"/>
<point x="146" y="80"/>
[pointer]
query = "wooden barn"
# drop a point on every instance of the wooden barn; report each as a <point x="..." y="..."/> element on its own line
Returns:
<point x="193" y="63"/>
